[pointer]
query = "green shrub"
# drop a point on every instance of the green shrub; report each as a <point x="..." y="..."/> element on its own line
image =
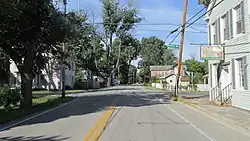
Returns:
<point x="155" y="80"/>
<point x="9" y="96"/>
<point x="79" y="85"/>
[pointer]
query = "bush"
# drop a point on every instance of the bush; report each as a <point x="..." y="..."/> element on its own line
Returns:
<point x="9" y="96"/>
<point x="79" y="85"/>
<point x="155" y="80"/>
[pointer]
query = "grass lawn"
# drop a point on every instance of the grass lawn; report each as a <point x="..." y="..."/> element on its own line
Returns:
<point x="40" y="104"/>
<point x="51" y="92"/>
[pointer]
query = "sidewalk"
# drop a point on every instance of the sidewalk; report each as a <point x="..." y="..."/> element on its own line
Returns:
<point x="230" y="116"/>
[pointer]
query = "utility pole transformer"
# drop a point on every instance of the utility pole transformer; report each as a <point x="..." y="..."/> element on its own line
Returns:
<point x="181" y="45"/>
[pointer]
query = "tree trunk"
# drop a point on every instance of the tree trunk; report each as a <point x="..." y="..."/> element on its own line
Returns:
<point x="110" y="78"/>
<point x="119" y="54"/>
<point x="129" y="62"/>
<point x="27" y="76"/>
<point x="26" y="90"/>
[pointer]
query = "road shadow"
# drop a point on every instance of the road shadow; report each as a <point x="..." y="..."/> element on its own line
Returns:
<point x="96" y="103"/>
<point x="34" y="138"/>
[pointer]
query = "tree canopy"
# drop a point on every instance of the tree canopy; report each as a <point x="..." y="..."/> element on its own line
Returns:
<point x="154" y="52"/>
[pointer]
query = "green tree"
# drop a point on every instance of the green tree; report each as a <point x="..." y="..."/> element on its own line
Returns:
<point x="125" y="50"/>
<point x="30" y="32"/>
<point x="116" y="21"/>
<point x="153" y="52"/>
<point x="86" y="47"/>
<point x="198" y="68"/>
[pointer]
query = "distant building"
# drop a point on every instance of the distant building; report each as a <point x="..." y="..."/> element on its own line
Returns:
<point x="51" y="76"/>
<point x="159" y="71"/>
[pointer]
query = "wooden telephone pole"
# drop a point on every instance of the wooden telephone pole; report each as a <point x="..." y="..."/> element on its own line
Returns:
<point x="181" y="45"/>
<point x="62" y="59"/>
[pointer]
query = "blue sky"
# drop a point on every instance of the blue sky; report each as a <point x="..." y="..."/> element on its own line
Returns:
<point x="156" y="12"/>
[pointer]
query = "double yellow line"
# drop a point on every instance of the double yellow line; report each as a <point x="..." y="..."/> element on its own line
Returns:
<point x="101" y="123"/>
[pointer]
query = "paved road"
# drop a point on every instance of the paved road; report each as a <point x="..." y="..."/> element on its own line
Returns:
<point x="140" y="115"/>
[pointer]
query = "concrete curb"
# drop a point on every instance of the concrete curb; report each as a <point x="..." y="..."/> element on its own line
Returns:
<point x="220" y="119"/>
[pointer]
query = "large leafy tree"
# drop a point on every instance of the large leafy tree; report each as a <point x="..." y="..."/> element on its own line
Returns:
<point x="117" y="20"/>
<point x="29" y="31"/>
<point x="198" y="68"/>
<point x="125" y="49"/>
<point x="85" y="47"/>
<point x="153" y="52"/>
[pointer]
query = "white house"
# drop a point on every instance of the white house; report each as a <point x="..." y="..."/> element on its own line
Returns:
<point x="229" y="26"/>
<point x="51" y="77"/>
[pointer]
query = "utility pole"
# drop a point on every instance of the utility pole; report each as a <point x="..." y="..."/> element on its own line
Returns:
<point x="62" y="57"/>
<point x="181" y="45"/>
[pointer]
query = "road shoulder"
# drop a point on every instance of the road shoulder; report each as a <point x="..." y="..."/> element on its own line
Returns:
<point x="214" y="112"/>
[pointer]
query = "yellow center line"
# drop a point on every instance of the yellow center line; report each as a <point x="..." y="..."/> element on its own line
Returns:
<point x="101" y="129"/>
<point x="96" y="126"/>
<point x="102" y="121"/>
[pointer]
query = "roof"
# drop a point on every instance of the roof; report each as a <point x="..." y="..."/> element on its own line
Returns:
<point x="160" y="68"/>
<point x="166" y="67"/>
<point x="166" y="76"/>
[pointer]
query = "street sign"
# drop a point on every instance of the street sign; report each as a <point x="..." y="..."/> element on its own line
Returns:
<point x="212" y="53"/>
<point x="173" y="46"/>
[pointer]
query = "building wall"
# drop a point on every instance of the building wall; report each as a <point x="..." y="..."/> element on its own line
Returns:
<point x="50" y="78"/>
<point x="163" y="73"/>
<point x="241" y="97"/>
<point x="158" y="73"/>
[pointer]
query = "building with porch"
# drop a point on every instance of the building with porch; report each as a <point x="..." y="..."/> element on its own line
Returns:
<point x="50" y="77"/>
<point x="229" y="26"/>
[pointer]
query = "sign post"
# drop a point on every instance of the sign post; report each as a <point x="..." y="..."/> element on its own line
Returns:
<point x="173" y="46"/>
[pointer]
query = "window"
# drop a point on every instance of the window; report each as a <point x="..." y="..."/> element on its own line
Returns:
<point x="238" y="19"/>
<point x="241" y="72"/>
<point x="225" y="27"/>
<point x="214" y="36"/>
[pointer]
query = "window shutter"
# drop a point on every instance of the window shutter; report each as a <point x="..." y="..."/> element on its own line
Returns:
<point x="242" y="17"/>
<point x="233" y="74"/>
<point x="209" y="34"/>
<point x="218" y="36"/>
<point x="245" y="73"/>
<point x="231" y="32"/>
<point x="216" y="32"/>
<point x="227" y="26"/>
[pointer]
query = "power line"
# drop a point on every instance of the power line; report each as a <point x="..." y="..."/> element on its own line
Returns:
<point x="198" y="19"/>
<point x="170" y="31"/>
<point x="175" y="37"/>
<point x="145" y="23"/>
<point x="204" y="14"/>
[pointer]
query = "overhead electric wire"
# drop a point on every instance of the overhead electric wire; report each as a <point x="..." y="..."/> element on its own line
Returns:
<point x="145" y="23"/>
<point x="196" y="20"/>
<point x="199" y="31"/>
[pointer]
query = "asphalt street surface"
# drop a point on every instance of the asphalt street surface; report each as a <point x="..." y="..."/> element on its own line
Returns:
<point x="139" y="115"/>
